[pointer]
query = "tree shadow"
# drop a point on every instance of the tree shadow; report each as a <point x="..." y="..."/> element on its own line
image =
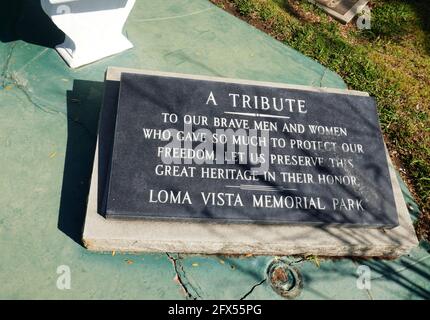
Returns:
<point x="396" y="20"/>
<point x="83" y="108"/>
<point x="25" y="20"/>
<point x="422" y="9"/>
<point x="390" y="20"/>
<point x="293" y="10"/>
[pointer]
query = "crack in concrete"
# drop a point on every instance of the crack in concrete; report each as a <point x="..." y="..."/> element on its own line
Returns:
<point x="252" y="289"/>
<point x="48" y="110"/>
<point x="14" y="81"/>
<point x="175" y="17"/>
<point x="182" y="278"/>
<point x="322" y="77"/>
<point x="369" y="294"/>
<point x="181" y="283"/>
<point x="4" y="73"/>
<point x="299" y="261"/>
<point x="37" y="56"/>
<point x="8" y="78"/>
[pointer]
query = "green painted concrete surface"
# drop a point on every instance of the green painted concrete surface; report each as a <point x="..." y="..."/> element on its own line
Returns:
<point x="48" y="120"/>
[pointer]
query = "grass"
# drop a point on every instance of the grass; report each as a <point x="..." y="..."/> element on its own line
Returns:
<point x="391" y="61"/>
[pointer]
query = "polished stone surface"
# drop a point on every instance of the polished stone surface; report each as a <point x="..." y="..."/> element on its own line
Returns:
<point x="348" y="145"/>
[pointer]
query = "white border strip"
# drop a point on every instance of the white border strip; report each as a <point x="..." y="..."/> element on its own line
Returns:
<point x="114" y="74"/>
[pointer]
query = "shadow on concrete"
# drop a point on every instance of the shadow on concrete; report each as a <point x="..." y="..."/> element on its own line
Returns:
<point x="25" y="20"/>
<point x="83" y="108"/>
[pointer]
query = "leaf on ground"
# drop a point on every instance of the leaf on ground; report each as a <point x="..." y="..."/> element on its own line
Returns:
<point x="315" y="260"/>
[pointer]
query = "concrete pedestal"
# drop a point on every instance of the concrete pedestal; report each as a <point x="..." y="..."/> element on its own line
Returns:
<point x="93" y="28"/>
<point x="101" y="234"/>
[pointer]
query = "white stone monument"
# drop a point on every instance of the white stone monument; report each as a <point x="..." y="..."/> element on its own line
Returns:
<point x="93" y="28"/>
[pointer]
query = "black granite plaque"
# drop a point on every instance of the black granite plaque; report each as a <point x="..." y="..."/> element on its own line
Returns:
<point x="232" y="152"/>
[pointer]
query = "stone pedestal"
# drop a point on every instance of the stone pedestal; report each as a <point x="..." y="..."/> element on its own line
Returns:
<point x="152" y="235"/>
<point x="93" y="28"/>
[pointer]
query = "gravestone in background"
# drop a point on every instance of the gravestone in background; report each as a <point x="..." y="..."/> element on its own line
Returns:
<point x="343" y="10"/>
